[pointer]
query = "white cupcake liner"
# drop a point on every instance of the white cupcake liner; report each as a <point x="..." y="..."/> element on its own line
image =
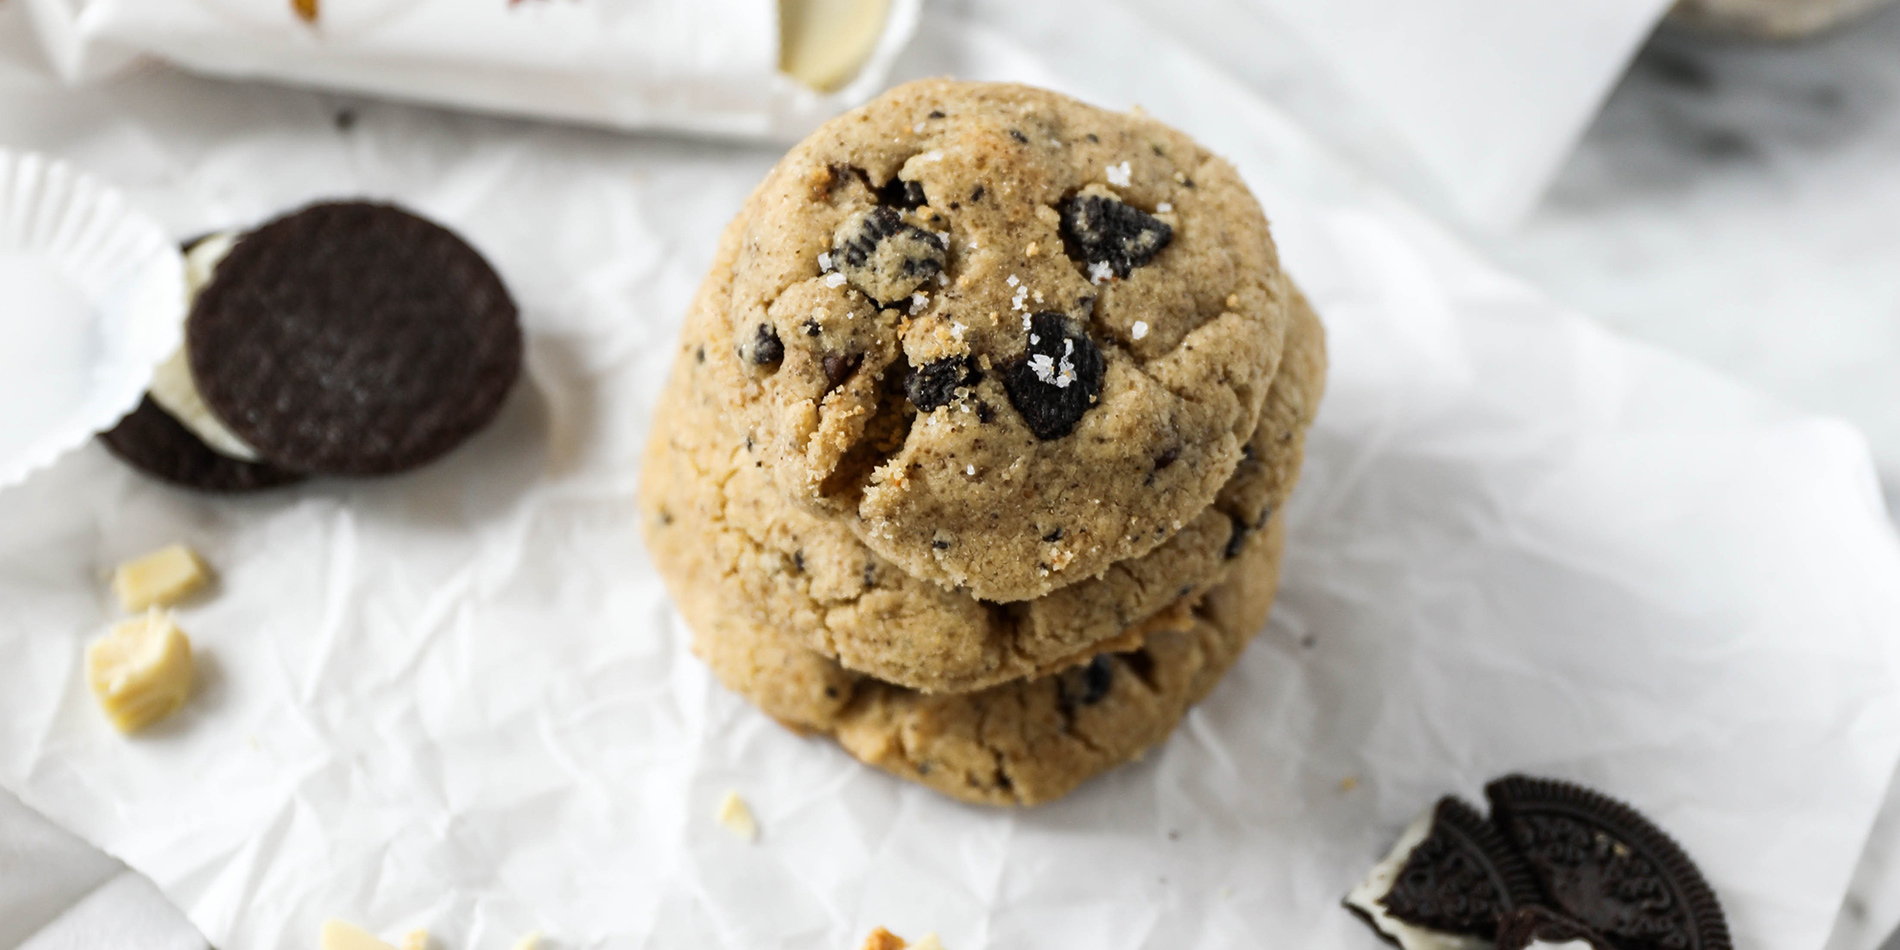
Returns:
<point x="92" y="298"/>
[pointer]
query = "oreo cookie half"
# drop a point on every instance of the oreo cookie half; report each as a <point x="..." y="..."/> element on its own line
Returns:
<point x="353" y="338"/>
<point x="1602" y="863"/>
<point x="1445" y="883"/>
<point x="1536" y="928"/>
<point x="152" y="441"/>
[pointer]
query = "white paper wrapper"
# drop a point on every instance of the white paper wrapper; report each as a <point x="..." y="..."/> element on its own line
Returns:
<point x="459" y="699"/>
<point x="95" y="297"/>
<point x="708" y="67"/>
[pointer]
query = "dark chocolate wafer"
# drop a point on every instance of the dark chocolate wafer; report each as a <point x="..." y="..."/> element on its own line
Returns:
<point x="1604" y="864"/>
<point x="1458" y="879"/>
<point x="152" y="441"/>
<point x="1528" y="928"/>
<point x="353" y="339"/>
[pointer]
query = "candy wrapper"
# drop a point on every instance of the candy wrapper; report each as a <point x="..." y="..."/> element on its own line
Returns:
<point x="710" y="67"/>
<point x="459" y="699"/>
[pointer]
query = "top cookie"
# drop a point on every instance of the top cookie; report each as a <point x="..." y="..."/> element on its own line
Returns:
<point x="1009" y="337"/>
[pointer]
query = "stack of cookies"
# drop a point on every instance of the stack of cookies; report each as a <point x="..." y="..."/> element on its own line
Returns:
<point x="974" y="448"/>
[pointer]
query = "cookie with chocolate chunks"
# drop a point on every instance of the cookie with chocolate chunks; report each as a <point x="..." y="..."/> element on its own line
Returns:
<point x="154" y="442"/>
<point x="353" y="338"/>
<point x="1602" y="863"/>
<point x="1000" y="309"/>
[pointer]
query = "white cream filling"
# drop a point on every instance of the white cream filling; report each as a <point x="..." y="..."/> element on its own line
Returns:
<point x="1365" y="897"/>
<point x="172" y="386"/>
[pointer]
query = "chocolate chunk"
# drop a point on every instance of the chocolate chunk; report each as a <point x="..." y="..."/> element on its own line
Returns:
<point x="1087" y="684"/>
<point x="1237" y="541"/>
<point x="1100" y="230"/>
<point x="1053" y="536"/>
<point x="976" y="194"/>
<point x="932" y="385"/>
<point x="902" y="193"/>
<point x="984" y="413"/>
<point x="839" y="367"/>
<point x="1057" y="379"/>
<point x="152" y="441"/>
<point x="1450" y="873"/>
<point x="884" y="257"/>
<point x="353" y="338"/>
<point x="1528" y="928"/>
<point x="1167" y="457"/>
<point x="765" y="348"/>
<point x="1603" y="863"/>
<point x="812" y="328"/>
<point x="1018" y="135"/>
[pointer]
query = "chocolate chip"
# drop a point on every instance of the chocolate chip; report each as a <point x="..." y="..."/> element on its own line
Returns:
<point x="1167" y="457"/>
<point x="702" y="354"/>
<point x="884" y="257"/>
<point x="1019" y="136"/>
<point x="1100" y="230"/>
<point x="976" y="194"/>
<point x="984" y="413"/>
<point x="936" y="113"/>
<point x="839" y="367"/>
<point x="1087" y="684"/>
<point x="798" y="561"/>
<point x="939" y="543"/>
<point x="1053" y="536"/>
<point x="1093" y="137"/>
<point x="902" y="193"/>
<point x="932" y="385"/>
<point x="1237" y="540"/>
<point x="812" y="328"/>
<point x="1057" y="378"/>
<point x="765" y="348"/>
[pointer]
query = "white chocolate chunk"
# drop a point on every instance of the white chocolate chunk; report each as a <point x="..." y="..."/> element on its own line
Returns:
<point x="159" y="579"/>
<point x="172" y="386"/>
<point x="823" y="43"/>
<point x="735" y="817"/>
<point x="141" y="671"/>
<point x="341" y="935"/>
<point x="417" y="939"/>
<point x="530" y="941"/>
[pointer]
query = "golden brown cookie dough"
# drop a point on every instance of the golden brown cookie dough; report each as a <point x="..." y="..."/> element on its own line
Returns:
<point x="707" y="496"/>
<point x="1006" y="338"/>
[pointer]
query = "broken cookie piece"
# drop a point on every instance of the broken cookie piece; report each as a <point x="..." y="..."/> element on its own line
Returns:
<point x="159" y="579"/>
<point x="1110" y="237"/>
<point x="141" y="671"/>
<point x="884" y="257"/>
<point x="1538" y="928"/>
<point x="1445" y="883"/>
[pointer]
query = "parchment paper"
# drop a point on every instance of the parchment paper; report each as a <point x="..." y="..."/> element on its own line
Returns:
<point x="459" y="698"/>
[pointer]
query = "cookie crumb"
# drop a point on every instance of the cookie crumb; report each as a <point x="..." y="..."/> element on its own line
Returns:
<point x="342" y="935"/>
<point x="1140" y="330"/>
<point x="736" y="817"/>
<point x="881" y="939"/>
<point x="306" y="10"/>
<point x="1032" y="250"/>
<point x="1348" y="783"/>
<point x="1119" y="175"/>
<point x="917" y="303"/>
<point x="1233" y="301"/>
<point x="159" y="579"/>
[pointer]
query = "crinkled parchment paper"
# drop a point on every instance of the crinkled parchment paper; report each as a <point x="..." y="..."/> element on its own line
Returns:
<point x="459" y="698"/>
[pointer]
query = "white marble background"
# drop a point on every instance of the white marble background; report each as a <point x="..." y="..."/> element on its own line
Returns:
<point x="1733" y="202"/>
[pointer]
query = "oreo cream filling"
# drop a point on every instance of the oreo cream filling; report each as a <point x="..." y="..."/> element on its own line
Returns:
<point x="172" y="385"/>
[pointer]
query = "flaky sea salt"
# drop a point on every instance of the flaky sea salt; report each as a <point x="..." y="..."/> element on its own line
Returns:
<point x="824" y="262"/>
<point x="1164" y="207"/>
<point x="1100" y="272"/>
<point x="1140" y="329"/>
<point x="1118" y="175"/>
<point x="917" y="303"/>
<point x="834" y="279"/>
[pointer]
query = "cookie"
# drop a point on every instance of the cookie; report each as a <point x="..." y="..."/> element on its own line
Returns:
<point x="353" y="339"/>
<point x="1009" y="339"/>
<point x="1770" y="19"/>
<point x="1602" y="863"/>
<point x="1020" y="743"/>
<point x="707" y="495"/>
<point x="154" y="442"/>
<point x="1445" y="883"/>
<point x="1538" y="928"/>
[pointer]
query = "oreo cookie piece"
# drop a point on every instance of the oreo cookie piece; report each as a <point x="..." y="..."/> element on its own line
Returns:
<point x="1539" y="928"/>
<point x="1602" y="863"/>
<point x="152" y="441"/>
<point x="1445" y="884"/>
<point x="353" y="338"/>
